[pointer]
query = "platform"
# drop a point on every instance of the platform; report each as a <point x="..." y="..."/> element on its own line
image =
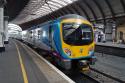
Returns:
<point x="111" y="44"/>
<point x="20" y="64"/>
<point x="111" y="48"/>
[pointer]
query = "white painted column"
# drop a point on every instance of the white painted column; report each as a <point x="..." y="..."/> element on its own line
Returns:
<point x="6" y="29"/>
<point x="1" y="28"/>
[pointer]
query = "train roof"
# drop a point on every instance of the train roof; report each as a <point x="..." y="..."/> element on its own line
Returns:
<point x="71" y="16"/>
<point x="60" y="18"/>
<point x="64" y="17"/>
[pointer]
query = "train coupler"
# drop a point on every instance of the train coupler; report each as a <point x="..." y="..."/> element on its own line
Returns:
<point x="83" y="65"/>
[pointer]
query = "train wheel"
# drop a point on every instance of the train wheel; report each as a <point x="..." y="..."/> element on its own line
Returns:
<point x="83" y="65"/>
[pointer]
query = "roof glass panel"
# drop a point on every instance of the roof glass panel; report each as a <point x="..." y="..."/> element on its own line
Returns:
<point x="43" y="11"/>
<point x="60" y="1"/>
<point x="38" y="8"/>
<point x="55" y="4"/>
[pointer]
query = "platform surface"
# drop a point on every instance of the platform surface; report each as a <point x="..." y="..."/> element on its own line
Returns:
<point x="34" y="70"/>
<point x="111" y="44"/>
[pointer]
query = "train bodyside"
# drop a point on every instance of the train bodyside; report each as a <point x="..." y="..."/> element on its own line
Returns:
<point x="64" y="40"/>
<point x="43" y="36"/>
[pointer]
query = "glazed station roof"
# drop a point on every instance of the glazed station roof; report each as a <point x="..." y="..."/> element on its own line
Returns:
<point x="38" y="8"/>
<point x="30" y="12"/>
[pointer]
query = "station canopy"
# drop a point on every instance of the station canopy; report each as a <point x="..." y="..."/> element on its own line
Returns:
<point x="38" y="8"/>
<point x="32" y="12"/>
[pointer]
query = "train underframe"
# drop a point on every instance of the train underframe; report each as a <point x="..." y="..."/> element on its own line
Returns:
<point x="81" y="64"/>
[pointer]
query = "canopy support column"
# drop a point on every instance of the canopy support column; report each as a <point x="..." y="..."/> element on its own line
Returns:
<point x="6" y="29"/>
<point x="2" y="47"/>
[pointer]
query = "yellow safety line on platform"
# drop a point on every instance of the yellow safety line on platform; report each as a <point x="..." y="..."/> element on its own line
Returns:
<point x="22" y="66"/>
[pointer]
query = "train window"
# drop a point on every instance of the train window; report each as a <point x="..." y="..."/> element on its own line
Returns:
<point x="77" y="34"/>
<point x="45" y="32"/>
<point x="31" y="32"/>
<point x="39" y="32"/>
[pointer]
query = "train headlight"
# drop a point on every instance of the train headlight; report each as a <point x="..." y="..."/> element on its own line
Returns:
<point x="91" y="51"/>
<point x="91" y="48"/>
<point x="67" y="51"/>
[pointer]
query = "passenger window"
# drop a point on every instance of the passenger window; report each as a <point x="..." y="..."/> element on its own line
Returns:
<point x="31" y="32"/>
<point x="39" y="32"/>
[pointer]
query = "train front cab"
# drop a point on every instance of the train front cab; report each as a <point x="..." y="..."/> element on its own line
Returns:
<point x="77" y="42"/>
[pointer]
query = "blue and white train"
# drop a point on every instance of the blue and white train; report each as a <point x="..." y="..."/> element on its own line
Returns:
<point x="68" y="38"/>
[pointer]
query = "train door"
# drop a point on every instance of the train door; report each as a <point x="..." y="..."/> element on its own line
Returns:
<point x="50" y="36"/>
<point x="30" y="32"/>
<point x="33" y="38"/>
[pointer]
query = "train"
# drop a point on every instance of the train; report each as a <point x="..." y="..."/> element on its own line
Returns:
<point x="68" y="39"/>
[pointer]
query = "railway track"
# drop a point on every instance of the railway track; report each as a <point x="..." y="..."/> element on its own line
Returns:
<point x="77" y="76"/>
<point x="101" y="77"/>
<point x="91" y="76"/>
